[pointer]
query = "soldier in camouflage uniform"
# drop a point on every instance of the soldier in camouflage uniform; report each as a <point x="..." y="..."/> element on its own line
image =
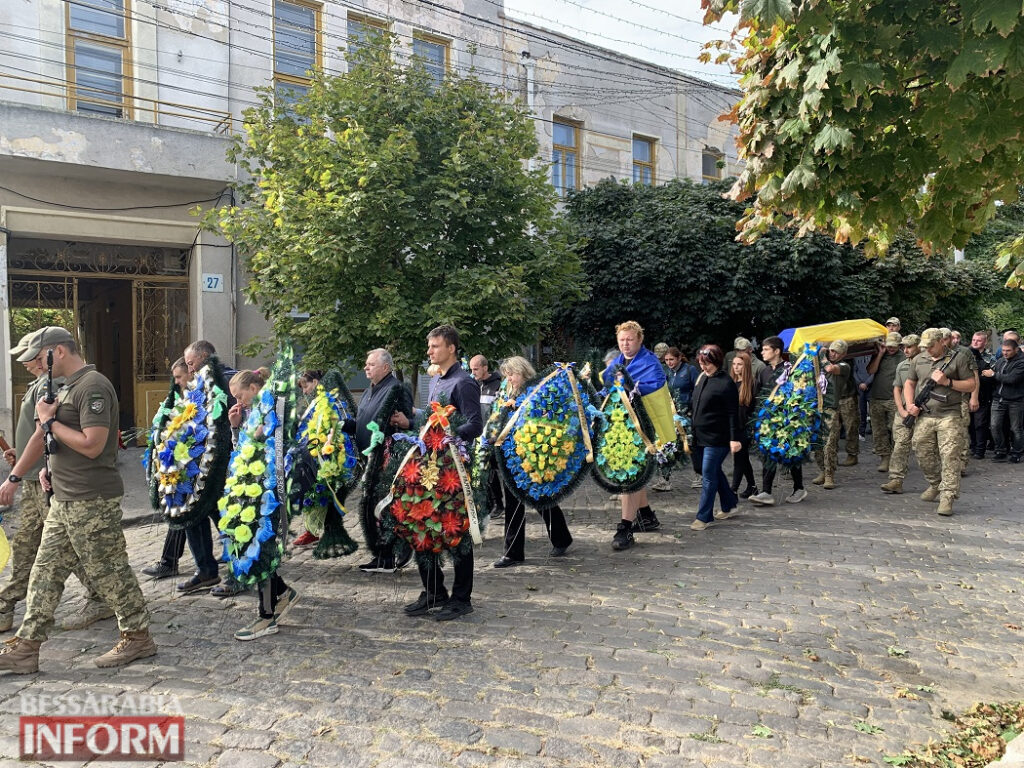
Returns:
<point x="952" y="341"/>
<point x="938" y="433"/>
<point x="883" y="409"/>
<point x="902" y="434"/>
<point x="32" y="511"/>
<point x="84" y="521"/>
<point x="839" y="375"/>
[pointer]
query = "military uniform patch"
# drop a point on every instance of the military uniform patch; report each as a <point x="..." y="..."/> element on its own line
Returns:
<point x="96" y="403"/>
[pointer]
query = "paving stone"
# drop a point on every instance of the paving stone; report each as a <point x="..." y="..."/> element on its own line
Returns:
<point x="244" y="758"/>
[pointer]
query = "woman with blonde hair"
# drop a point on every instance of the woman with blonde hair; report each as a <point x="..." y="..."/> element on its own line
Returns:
<point x="517" y="371"/>
<point x="743" y="374"/>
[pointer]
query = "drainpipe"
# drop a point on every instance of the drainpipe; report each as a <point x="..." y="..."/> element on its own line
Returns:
<point x="530" y="66"/>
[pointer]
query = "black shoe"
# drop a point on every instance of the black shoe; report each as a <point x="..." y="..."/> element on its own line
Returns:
<point x="999" y="458"/>
<point x="453" y="610"/>
<point x="372" y="566"/>
<point x="403" y="561"/>
<point x="979" y="455"/>
<point x="497" y="513"/>
<point x="425" y="603"/>
<point x="506" y="562"/>
<point x="646" y="523"/>
<point x="559" y="551"/>
<point x="197" y="583"/>
<point x="1015" y="459"/>
<point x="623" y="538"/>
<point x="160" y="570"/>
<point x="750" y="490"/>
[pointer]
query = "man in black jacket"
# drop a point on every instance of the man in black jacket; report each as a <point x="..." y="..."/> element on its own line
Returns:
<point x="1008" y="401"/>
<point x="490" y="384"/>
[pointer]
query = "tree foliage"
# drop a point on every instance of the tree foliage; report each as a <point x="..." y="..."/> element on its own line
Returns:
<point x="859" y="117"/>
<point x="667" y="257"/>
<point x="383" y="204"/>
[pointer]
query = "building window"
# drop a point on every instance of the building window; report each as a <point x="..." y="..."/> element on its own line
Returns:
<point x="360" y="28"/>
<point x="98" y="57"/>
<point x="565" y="167"/>
<point x="712" y="160"/>
<point x="296" y="46"/>
<point x="434" y="53"/>
<point x="643" y="161"/>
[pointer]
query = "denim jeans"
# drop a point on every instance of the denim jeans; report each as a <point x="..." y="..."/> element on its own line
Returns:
<point x="714" y="481"/>
<point x="1012" y="410"/>
<point x="200" y="541"/>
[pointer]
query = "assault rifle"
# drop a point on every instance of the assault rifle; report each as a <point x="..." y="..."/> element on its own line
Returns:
<point x="49" y="442"/>
<point x="926" y="393"/>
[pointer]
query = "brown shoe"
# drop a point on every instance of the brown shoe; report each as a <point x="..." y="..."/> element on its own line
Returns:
<point x="20" y="656"/>
<point x="884" y="466"/>
<point x="893" y="486"/>
<point x="931" y="494"/>
<point x="131" y="646"/>
<point x="819" y="479"/>
<point x="89" y="614"/>
<point x="851" y="461"/>
<point x="945" y="507"/>
<point x="830" y="483"/>
<point x="6" y="620"/>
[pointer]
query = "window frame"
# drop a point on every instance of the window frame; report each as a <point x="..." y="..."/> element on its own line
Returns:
<point x="564" y="149"/>
<point x="367" y="21"/>
<point x="123" y="45"/>
<point x="432" y="39"/>
<point x="284" y="78"/>
<point x="719" y="156"/>
<point x="650" y="165"/>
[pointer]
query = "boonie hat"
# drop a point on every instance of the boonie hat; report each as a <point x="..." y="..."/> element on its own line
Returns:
<point x="929" y="336"/>
<point x="946" y="332"/>
<point x="660" y="348"/>
<point x="741" y="343"/>
<point x="22" y="345"/>
<point x="911" y="340"/>
<point x="893" y="321"/>
<point x="893" y="339"/>
<point x="839" y="346"/>
<point x="44" y="337"/>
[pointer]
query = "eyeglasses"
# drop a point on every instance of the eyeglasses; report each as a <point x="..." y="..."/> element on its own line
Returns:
<point x="704" y="353"/>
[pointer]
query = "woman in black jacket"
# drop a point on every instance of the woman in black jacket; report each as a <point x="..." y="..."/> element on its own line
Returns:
<point x="716" y="430"/>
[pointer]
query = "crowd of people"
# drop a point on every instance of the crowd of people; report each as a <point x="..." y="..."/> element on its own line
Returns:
<point x="938" y="399"/>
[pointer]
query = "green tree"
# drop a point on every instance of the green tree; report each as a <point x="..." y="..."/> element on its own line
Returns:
<point x="859" y="117"/>
<point x="667" y="257"/>
<point x="383" y="204"/>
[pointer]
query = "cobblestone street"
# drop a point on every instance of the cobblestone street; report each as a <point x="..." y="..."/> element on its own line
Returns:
<point x="832" y="632"/>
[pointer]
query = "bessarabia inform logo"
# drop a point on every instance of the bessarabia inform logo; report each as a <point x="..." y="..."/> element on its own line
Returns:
<point x="86" y="726"/>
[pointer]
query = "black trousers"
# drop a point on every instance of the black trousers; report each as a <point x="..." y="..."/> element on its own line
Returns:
<point x="979" y="431"/>
<point x="515" y="528"/>
<point x="742" y="469"/>
<point x="432" y="577"/>
<point x="269" y="591"/>
<point x="768" y="477"/>
<point x="174" y="547"/>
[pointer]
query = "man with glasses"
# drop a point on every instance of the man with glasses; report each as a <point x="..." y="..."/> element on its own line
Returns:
<point x="33" y="508"/>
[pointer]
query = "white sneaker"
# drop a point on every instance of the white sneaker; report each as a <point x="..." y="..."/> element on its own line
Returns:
<point x="764" y="499"/>
<point x="697" y="482"/>
<point x="699" y="525"/>
<point x="661" y="485"/>
<point x="722" y="515"/>
<point x="797" y="496"/>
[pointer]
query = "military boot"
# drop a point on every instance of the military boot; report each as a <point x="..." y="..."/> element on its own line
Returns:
<point x="851" y="461"/>
<point x="830" y="482"/>
<point x="945" y="506"/>
<point x="89" y="614"/>
<point x="20" y="656"/>
<point x="819" y="479"/>
<point x="131" y="646"/>
<point x="932" y="494"/>
<point x="6" y="620"/>
<point x="884" y="466"/>
<point x="893" y="486"/>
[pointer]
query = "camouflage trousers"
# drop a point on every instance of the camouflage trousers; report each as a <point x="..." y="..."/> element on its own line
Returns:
<point x="882" y="414"/>
<point x="827" y="456"/>
<point x="965" y="413"/>
<point x="900" y="458"/>
<point x="937" y="442"/>
<point x="32" y="511"/>
<point x="849" y="418"/>
<point x="90" y="532"/>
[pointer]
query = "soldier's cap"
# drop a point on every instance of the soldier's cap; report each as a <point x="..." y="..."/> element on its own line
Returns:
<point x="44" y="337"/>
<point x="661" y="346"/>
<point x="22" y="345"/>
<point x="742" y="343"/>
<point x="929" y="336"/>
<point x="893" y="321"/>
<point x="946" y="332"/>
<point x="893" y="339"/>
<point x="839" y="346"/>
<point x="911" y="340"/>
